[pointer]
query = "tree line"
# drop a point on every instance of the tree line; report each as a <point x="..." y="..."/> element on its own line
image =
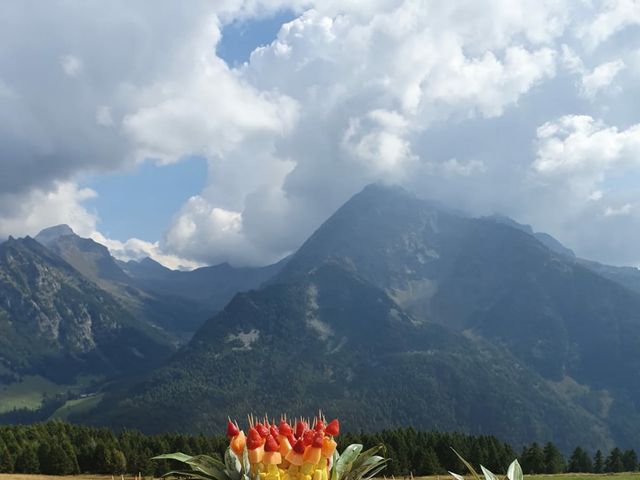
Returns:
<point x="59" y="448"/>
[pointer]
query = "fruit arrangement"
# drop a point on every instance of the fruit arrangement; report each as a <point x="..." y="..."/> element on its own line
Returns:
<point x="300" y="450"/>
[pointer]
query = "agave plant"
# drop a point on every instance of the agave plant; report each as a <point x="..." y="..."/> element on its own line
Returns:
<point x="514" y="472"/>
<point x="352" y="464"/>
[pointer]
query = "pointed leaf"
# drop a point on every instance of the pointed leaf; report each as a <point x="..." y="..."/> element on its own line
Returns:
<point x="178" y="473"/>
<point x="334" y="470"/>
<point x="456" y="476"/>
<point x="178" y="456"/>
<point x="345" y="462"/>
<point x="515" y="471"/>
<point x="245" y="461"/>
<point x="209" y="466"/>
<point x="468" y="465"/>
<point x="488" y="475"/>
<point x="233" y="465"/>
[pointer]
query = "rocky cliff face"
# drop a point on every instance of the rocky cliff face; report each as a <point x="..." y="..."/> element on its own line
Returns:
<point x="50" y="315"/>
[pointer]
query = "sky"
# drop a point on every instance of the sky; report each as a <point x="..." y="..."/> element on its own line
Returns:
<point x="218" y="131"/>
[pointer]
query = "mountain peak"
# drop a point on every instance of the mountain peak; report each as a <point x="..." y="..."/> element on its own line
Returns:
<point x="51" y="234"/>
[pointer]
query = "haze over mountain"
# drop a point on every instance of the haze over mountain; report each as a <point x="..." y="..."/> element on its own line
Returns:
<point x="398" y="311"/>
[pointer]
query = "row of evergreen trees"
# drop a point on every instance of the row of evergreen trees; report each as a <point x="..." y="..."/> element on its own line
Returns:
<point x="58" y="448"/>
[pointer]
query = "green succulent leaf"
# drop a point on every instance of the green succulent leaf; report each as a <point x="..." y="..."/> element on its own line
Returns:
<point x="178" y="456"/>
<point x="232" y="464"/>
<point x="456" y="476"/>
<point x="488" y="475"/>
<point x="468" y="465"/>
<point x="345" y="461"/>
<point x="209" y="466"/>
<point x="514" y="472"/>
<point x="183" y="474"/>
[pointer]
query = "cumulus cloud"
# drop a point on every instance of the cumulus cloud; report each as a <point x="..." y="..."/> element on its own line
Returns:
<point x="137" y="249"/>
<point x="613" y="18"/>
<point x="28" y="213"/>
<point x="593" y="81"/>
<point x="71" y="65"/>
<point x="487" y="105"/>
<point x="578" y="146"/>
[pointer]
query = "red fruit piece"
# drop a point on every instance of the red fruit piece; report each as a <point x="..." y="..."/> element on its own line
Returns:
<point x="299" y="446"/>
<point x="271" y="445"/>
<point x="262" y="430"/>
<point x="285" y="429"/>
<point x="333" y="428"/>
<point x="317" y="440"/>
<point x="301" y="427"/>
<point x="232" y="430"/>
<point x="319" y="426"/>
<point x="274" y="431"/>
<point x="307" y="437"/>
<point x="292" y="439"/>
<point x="254" y="440"/>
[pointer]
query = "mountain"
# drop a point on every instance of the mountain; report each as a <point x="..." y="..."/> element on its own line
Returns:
<point x="335" y="341"/>
<point x="177" y="315"/>
<point x="212" y="287"/>
<point x="397" y="311"/>
<point x="56" y="323"/>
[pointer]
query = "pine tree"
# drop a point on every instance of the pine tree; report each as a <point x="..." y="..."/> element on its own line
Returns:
<point x="6" y="459"/>
<point x="598" y="462"/>
<point x="56" y="460"/>
<point x="579" y="462"/>
<point x="119" y="462"/>
<point x="532" y="459"/>
<point x="553" y="461"/>
<point x="630" y="461"/>
<point x="614" y="461"/>
<point x="27" y="461"/>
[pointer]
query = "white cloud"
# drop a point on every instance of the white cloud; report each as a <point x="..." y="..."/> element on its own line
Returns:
<point x="443" y="97"/>
<point x="71" y="65"/>
<point x="596" y="195"/>
<point x="595" y="81"/>
<point x="623" y="210"/>
<point x="465" y="169"/>
<point x="27" y="214"/>
<point x="103" y="116"/>
<point x="136" y="249"/>
<point x="613" y="18"/>
<point x="578" y="146"/>
<point x="601" y="77"/>
<point x="203" y="107"/>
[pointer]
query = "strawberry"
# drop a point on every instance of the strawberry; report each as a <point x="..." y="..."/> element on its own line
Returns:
<point x="262" y="430"/>
<point x="273" y="430"/>
<point x="301" y="427"/>
<point x="285" y="429"/>
<point x="299" y="446"/>
<point x="254" y="439"/>
<point x="319" y="426"/>
<point x="292" y="439"/>
<point x="317" y="440"/>
<point x="333" y="428"/>
<point x="307" y="438"/>
<point x="271" y="445"/>
<point x="232" y="430"/>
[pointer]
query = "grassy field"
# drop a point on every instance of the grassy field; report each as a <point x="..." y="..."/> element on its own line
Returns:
<point x="29" y="392"/>
<point x="79" y="405"/>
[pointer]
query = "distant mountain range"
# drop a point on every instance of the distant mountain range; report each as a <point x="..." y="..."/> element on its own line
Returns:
<point x="398" y="311"/>
<point x="68" y="308"/>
